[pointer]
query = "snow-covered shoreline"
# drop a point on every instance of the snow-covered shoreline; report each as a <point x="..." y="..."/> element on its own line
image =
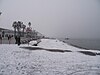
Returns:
<point x="19" y="61"/>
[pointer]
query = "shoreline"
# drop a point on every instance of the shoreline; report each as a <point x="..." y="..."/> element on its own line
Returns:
<point x="79" y="46"/>
<point x="73" y="45"/>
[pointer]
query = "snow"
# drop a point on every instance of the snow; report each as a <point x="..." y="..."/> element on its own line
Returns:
<point x="32" y="42"/>
<point x="15" y="60"/>
<point x="57" y="44"/>
<point x="52" y="44"/>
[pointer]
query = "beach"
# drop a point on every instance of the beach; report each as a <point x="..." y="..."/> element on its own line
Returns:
<point x="50" y="57"/>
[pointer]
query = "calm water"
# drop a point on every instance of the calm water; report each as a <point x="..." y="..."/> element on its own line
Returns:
<point x="85" y="43"/>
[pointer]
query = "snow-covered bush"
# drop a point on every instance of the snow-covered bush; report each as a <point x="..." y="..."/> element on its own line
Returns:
<point x="33" y="43"/>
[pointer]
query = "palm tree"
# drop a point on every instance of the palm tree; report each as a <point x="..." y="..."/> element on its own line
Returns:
<point x="19" y="23"/>
<point x="23" y="27"/>
<point x="0" y="13"/>
<point x="15" y="27"/>
<point x="29" y="24"/>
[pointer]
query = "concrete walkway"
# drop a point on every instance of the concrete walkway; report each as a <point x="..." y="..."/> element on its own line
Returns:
<point x="12" y="40"/>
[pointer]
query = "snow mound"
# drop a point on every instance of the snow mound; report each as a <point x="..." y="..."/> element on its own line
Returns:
<point x="52" y="44"/>
<point x="57" y="44"/>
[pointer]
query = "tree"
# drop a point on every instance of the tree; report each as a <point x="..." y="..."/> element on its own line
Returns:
<point x="19" y="25"/>
<point x="15" y="27"/>
<point x="0" y="13"/>
<point x="29" y="24"/>
<point x="23" y="27"/>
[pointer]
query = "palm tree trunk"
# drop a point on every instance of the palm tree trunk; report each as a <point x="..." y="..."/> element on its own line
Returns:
<point x="23" y="32"/>
<point x="15" y="32"/>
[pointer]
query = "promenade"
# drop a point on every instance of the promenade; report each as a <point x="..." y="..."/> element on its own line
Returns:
<point x="12" y="40"/>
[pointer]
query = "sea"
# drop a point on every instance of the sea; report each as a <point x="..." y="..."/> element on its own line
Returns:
<point x="93" y="44"/>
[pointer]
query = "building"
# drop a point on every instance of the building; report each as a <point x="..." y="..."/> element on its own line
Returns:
<point x="6" y="32"/>
<point x="29" y="33"/>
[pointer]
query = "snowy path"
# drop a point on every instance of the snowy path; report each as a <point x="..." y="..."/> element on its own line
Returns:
<point x="20" y="61"/>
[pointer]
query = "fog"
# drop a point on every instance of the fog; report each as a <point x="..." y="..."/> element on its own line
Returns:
<point x="54" y="18"/>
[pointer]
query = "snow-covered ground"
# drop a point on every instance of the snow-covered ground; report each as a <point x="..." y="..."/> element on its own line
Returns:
<point x="26" y="60"/>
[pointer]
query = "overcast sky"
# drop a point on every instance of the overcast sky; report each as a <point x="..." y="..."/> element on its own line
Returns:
<point x="55" y="18"/>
